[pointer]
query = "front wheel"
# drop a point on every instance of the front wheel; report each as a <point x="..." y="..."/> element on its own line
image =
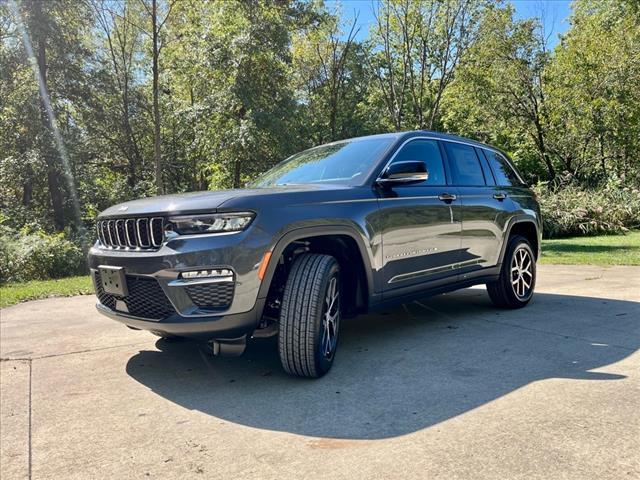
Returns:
<point x="310" y="316"/>
<point x="514" y="287"/>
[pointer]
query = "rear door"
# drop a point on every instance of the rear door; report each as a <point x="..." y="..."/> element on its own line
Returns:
<point x="421" y="223"/>
<point x="485" y="208"/>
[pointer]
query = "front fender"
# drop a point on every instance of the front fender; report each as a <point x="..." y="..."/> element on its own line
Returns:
<point x="317" y="231"/>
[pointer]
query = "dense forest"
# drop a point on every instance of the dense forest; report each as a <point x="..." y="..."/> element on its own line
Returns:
<point x="107" y="100"/>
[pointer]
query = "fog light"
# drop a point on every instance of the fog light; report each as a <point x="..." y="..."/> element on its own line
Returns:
<point x="213" y="273"/>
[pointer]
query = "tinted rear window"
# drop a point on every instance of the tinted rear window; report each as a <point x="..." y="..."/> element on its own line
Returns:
<point x="502" y="170"/>
<point x="465" y="165"/>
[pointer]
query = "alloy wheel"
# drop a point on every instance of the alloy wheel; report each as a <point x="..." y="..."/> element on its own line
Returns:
<point x="522" y="273"/>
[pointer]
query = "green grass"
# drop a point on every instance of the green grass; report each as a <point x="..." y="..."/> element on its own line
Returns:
<point x="601" y="250"/>
<point x="65" y="287"/>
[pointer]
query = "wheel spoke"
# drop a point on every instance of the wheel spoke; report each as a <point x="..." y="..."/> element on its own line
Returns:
<point x="326" y="344"/>
<point x="330" y="318"/>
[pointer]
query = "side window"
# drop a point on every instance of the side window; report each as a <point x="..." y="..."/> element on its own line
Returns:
<point x="504" y="173"/>
<point x="428" y="152"/>
<point x="465" y="165"/>
<point x="488" y="175"/>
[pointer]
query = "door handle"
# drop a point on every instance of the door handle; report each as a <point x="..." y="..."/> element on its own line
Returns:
<point x="500" y="196"/>
<point x="447" y="197"/>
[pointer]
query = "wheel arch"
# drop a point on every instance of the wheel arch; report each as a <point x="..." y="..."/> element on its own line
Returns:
<point x="528" y="228"/>
<point x="340" y="241"/>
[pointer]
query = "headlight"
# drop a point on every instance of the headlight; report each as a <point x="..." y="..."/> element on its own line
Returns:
<point x="210" y="223"/>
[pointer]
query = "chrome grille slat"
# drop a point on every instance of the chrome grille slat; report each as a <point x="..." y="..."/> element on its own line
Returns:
<point x="119" y="226"/>
<point x="105" y="233"/>
<point x="111" y="231"/>
<point x="156" y="223"/>
<point x="99" y="232"/>
<point x="143" y="238"/>
<point x="131" y="233"/>
<point x="131" y="243"/>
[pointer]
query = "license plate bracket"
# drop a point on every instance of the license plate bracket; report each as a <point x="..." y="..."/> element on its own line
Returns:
<point x="113" y="280"/>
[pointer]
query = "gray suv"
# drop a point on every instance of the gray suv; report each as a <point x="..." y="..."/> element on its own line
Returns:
<point x="331" y="232"/>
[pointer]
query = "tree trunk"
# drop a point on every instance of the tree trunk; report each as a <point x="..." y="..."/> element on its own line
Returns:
<point x="48" y="152"/>
<point x="27" y="189"/>
<point x="133" y="154"/>
<point x="542" y="148"/>
<point x="237" y="170"/>
<point x="602" y="157"/>
<point x="156" y="107"/>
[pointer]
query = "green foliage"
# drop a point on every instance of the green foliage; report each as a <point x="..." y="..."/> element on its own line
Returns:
<point x="36" y="255"/>
<point x="574" y="210"/>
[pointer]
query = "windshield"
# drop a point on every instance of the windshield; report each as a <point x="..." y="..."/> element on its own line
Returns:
<point x="345" y="162"/>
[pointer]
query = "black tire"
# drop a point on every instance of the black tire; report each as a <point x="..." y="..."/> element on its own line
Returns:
<point x="305" y="342"/>
<point x="514" y="288"/>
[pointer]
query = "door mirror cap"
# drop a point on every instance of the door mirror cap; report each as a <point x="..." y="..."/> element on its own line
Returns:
<point x="411" y="171"/>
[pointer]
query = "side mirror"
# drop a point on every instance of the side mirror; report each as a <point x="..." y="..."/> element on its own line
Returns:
<point x="404" y="172"/>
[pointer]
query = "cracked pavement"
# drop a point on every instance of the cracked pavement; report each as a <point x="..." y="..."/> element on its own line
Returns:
<point x="444" y="387"/>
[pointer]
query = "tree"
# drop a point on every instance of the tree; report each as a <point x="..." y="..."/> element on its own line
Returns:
<point x="50" y="44"/>
<point x="157" y="18"/>
<point x="236" y="78"/>
<point x="500" y="86"/>
<point x="325" y="68"/>
<point x="596" y="127"/>
<point x="416" y="47"/>
<point x="122" y="42"/>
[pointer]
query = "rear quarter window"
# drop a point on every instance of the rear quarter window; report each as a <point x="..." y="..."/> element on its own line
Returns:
<point x="503" y="172"/>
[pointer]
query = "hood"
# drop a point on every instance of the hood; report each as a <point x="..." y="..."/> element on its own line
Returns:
<point x="207" y="201"/>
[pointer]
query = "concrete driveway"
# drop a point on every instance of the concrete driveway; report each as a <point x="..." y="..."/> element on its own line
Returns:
<point x="447" y="387"/>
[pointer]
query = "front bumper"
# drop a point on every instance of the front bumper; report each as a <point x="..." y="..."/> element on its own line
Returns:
<point x="155" y="276"/>
<point x="206" y="328"/>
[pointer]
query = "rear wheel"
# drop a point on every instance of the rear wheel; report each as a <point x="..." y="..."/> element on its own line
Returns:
<point x="517" y="281"/>
<point x="310" y="316"/>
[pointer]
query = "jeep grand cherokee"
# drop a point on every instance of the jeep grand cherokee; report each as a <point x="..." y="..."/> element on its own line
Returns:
<point x="334" y="231"/>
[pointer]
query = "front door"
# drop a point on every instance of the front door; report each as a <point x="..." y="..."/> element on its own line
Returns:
<point x="421" y="223"/>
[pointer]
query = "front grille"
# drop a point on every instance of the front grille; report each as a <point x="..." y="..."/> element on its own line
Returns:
<point x="145" y="298"/>
<point x="211" y="295"/>
<point x="133" y="233"/>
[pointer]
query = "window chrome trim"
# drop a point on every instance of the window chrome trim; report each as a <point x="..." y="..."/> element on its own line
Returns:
<point x="437" y="139"/>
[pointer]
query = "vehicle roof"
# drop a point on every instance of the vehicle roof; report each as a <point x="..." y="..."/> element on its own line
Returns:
<point x="414" y="133"/>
